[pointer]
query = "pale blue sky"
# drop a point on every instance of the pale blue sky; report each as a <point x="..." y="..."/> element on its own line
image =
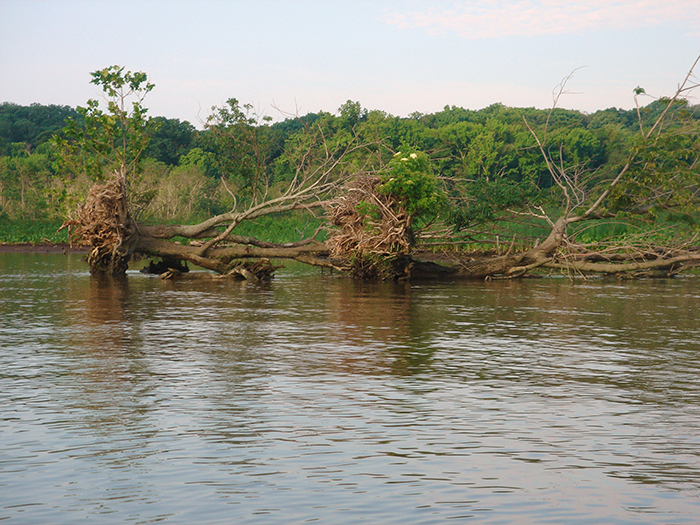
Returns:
<point x="305" y="55"/>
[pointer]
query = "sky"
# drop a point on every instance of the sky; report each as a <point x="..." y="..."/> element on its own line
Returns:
<point x="298" y="56"/>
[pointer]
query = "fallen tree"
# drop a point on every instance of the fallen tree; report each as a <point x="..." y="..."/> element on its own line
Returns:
<point x="384" y="209"/>
<point x="661" y="173"/>
<point x="113" y="142"/>
<point x="106" y="223"/>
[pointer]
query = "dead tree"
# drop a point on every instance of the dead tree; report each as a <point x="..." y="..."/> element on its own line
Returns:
<point x="374" y="234"/>
<point x="106" y="223"/>
<point x="581" y="202"/>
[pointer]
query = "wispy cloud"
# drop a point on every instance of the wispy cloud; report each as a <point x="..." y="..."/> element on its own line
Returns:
<point x="498" y="18"/>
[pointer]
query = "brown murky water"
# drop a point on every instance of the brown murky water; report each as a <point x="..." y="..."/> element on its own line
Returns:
<point x="315" y="398"/>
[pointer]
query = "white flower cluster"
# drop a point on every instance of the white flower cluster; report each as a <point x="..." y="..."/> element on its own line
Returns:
<point x="403" y="159"/>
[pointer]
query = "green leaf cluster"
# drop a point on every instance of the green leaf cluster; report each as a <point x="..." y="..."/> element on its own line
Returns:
<point x="241" y="141"/>
<point x="410" y="179"/>
<point x="104" y="140"/>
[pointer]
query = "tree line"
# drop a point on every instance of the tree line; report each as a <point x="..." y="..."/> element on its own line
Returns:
<point x="490" y="150"/>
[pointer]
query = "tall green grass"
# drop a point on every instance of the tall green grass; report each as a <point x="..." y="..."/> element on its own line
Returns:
<point x="280" y="229"/>
<point x="31" y="232"/>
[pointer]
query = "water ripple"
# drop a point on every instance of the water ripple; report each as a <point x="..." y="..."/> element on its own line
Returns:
<point x="316" y="398"/>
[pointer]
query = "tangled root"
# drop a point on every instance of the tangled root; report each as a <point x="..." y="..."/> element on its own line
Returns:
<point x="103" y="222"/>
<point x="374" y="231"/>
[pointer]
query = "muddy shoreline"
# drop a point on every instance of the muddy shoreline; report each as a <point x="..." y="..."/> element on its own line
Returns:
<point x="42" y="248"/>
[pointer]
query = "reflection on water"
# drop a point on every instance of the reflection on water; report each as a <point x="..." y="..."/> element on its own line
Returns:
<point x="318" y="398"/>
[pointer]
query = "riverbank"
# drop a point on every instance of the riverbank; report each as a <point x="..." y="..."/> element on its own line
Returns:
<point x="42" y="248"/>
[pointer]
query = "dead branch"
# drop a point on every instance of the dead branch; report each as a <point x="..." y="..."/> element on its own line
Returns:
<point x="615" y="268"/>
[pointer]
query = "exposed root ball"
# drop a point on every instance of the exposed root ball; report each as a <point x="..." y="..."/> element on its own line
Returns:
<point x="374" y="230"/>
<point x="103" y="222"/>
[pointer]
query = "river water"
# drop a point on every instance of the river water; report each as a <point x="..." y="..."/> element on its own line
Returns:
<point x="318" y="399"/>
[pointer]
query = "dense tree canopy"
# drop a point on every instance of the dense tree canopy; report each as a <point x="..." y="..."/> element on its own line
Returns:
<point x="30" y="125"/>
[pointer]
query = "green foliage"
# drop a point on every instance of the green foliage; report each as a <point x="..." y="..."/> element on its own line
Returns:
<point x="290" y="227"/>
<point x="203" y="160"/>
<point x="30" y="125"/>
<point x="31" y="232"/>
<point x="181" y="194"/>
<point x="115" y="139"/>
<point x="583" y="147"/>
<point x="351" y="113"/>
<point x="602" y="230"/>
<point x="241" y="141"/>
<point x="170" y="140"/>
<point x="411" y="181"/>
<point x="666" y="171"/>
<point x="26" y="190"/>
<point x="368" y="209"/>
<point x="487" y="198"/>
